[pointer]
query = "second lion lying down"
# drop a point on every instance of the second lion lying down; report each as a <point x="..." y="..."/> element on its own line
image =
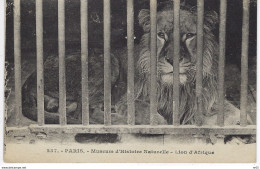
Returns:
<point x="187" y="69"/>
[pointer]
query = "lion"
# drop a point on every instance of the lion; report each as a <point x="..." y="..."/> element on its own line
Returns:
<point x="73" y="87"/>
<point x="187" y="69"/>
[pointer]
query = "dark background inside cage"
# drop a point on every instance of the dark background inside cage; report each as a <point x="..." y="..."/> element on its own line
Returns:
<point x="118" y="28"/>
<point x="118" y="9"/>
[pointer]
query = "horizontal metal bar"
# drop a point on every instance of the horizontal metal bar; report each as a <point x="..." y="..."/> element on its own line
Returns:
<point x="107" y="63"/>
<point x="146" y="129"/>
<point x="199" y="64"/>
<point x="39" y="49"/>
<point x="221" y="66"/>
<point x="153" y="62"/>
<point x="84" y="61"/>
<point x="130" y="71"/>
<point x="17" y="61"/>
<point x="62" y="77"/>
<point x="176" y="57"/>
<point x="244" y="64"/>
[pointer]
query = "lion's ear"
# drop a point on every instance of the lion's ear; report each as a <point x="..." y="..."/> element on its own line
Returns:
<point x="211" y="19"/>
<point x="144" y="19"/>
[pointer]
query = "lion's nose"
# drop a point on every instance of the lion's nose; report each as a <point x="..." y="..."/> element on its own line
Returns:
<point x="170" y="60"/>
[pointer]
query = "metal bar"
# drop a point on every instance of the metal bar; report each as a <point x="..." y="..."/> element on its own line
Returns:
<point x="40" y="68"/>
<point x="84" y="61"/>
<point x="221" y="65"/>
<point x="145" y="129"/>
<point x="62" y="77"/>
<point x="17" y="61"/>
<point x="130" y="72"/>
<point x="176" y="56"/>
<point x="244" y="64"/>
<point x="199" y="64"/>
<point x="107" y="63"/>
<point x="153" y="62"/>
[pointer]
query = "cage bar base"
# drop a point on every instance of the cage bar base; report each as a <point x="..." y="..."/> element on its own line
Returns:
<point x="142" y="129"/>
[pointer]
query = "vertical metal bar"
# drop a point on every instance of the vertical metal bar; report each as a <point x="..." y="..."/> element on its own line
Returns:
<point x="199" y="64"/>
<point x="107" y="64"/>
<point x="221" y="66"/>
<point x="84" y="61"/>
<point x="17" y="61"/>
<point x="130" y="72"/>
<point x="176" y="56"/>
<point x="153" y="61"/>
<point x="39" y="49"/>
<point x="62" y="78"/>
<point x="244" y="63"/>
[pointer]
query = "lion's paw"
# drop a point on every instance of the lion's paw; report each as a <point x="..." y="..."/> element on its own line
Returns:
<point x="240" y="140"/>
<point x="159" y="120"/>
<point x="121" y="109"/>
<point x="51" y="105"/>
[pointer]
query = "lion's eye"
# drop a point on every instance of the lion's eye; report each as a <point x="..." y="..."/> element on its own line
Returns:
<point x="161" y="35"/>
<point x="190" y="35"/>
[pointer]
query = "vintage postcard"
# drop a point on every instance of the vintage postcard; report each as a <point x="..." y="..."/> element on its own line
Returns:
<point x="140" y="81"/>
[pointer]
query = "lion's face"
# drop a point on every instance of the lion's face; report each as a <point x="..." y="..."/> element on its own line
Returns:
<point x="165" y="37"/>
<point x="188" y="45"/>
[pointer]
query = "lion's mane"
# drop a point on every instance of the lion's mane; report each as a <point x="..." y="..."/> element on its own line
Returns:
<point x="188" y="105"/>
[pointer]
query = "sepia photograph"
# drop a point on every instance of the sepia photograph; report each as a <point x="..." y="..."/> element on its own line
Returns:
<point x="130" y="81"/>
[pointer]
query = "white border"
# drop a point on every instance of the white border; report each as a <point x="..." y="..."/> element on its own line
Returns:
<point x="2" y="56"/>
<point x="109" y="166"/>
